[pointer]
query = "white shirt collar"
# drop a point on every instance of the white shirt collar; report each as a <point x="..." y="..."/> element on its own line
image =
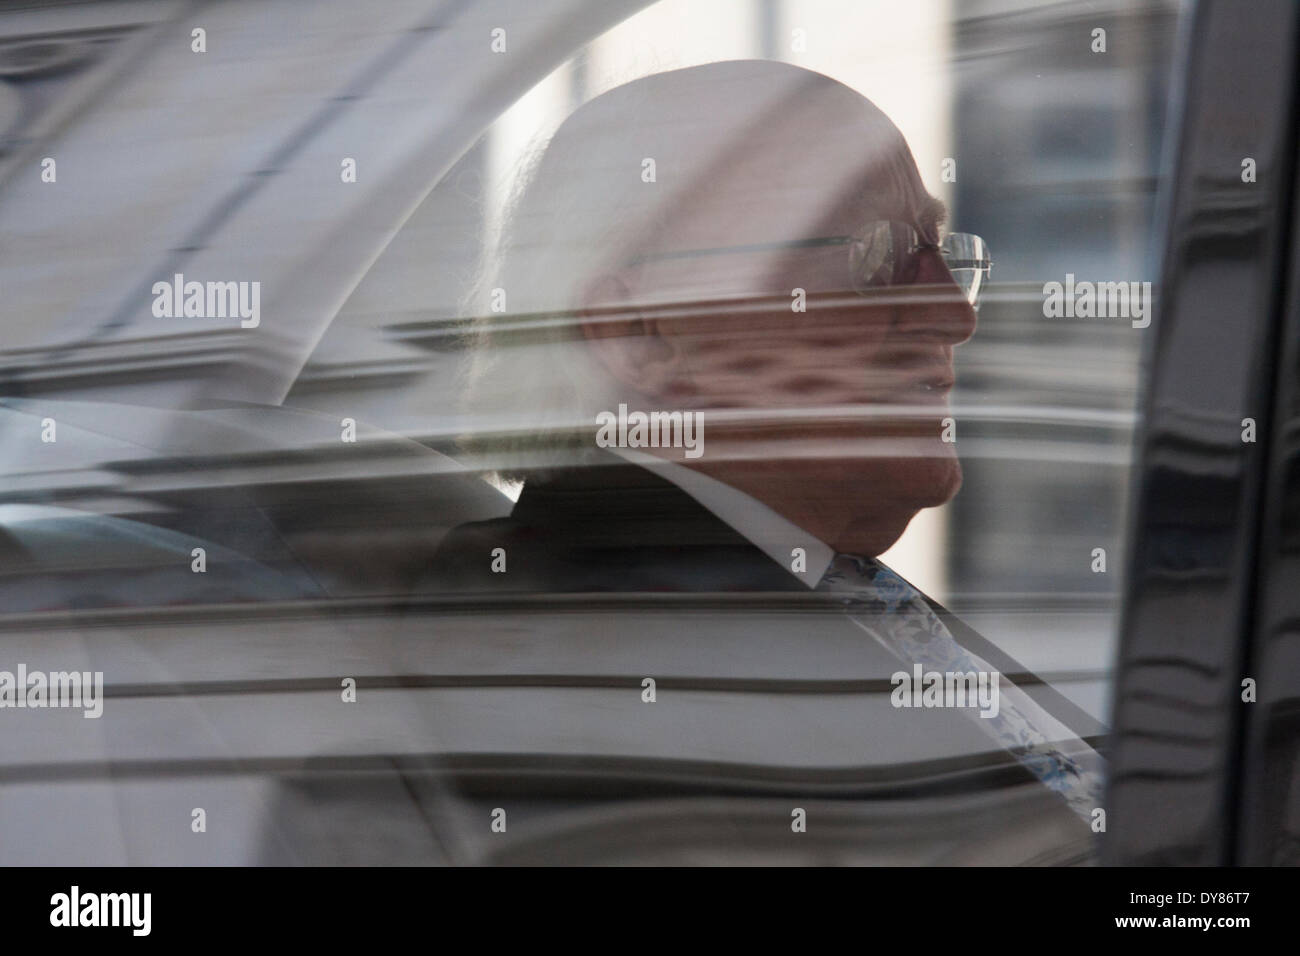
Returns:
<point x="774" y="535"/>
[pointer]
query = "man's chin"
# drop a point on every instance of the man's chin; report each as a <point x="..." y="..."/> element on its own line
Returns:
<point x="916" y="484"/>
<point x="858" y="505"/>
<point x="939" y="482"/>
<point x="920" y="482"/>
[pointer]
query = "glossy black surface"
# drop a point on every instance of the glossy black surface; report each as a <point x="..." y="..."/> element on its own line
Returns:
<point x="1178" y="715"/>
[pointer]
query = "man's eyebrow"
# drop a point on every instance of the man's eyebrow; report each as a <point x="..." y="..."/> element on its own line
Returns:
<point x="933" y="212"/>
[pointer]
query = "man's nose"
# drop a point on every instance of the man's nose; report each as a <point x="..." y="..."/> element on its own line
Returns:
<point x="938" y="307"/>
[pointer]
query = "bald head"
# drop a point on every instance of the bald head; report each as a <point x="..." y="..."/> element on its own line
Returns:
<point x="691" y="238"/>
<point x="741" y="151"/>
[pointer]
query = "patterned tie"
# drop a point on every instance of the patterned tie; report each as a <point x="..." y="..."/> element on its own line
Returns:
<point x="898" y="617"/>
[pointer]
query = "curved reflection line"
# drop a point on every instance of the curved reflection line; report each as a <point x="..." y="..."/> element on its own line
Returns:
<point x="540" y="770"/>
<point x="594" y="681"/>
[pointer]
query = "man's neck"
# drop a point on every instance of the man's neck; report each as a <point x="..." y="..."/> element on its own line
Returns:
<point x="801" y="552"/>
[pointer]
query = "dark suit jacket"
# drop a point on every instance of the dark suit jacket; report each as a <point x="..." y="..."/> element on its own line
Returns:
<point x="616" y="527"/>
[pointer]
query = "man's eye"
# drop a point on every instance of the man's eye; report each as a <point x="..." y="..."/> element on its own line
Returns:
<point x="873" y="255"/>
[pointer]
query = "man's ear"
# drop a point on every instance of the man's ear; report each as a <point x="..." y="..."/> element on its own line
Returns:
<point x="630" y="344"/>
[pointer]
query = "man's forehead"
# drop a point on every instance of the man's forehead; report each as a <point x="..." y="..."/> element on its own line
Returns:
<point x="791" y="215"/>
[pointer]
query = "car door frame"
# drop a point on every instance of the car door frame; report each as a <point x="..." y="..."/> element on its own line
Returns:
<point x="1180" y="764"/>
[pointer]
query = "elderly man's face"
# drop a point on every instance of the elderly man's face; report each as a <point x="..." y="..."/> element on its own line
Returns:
<point x="833" y="415"/>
